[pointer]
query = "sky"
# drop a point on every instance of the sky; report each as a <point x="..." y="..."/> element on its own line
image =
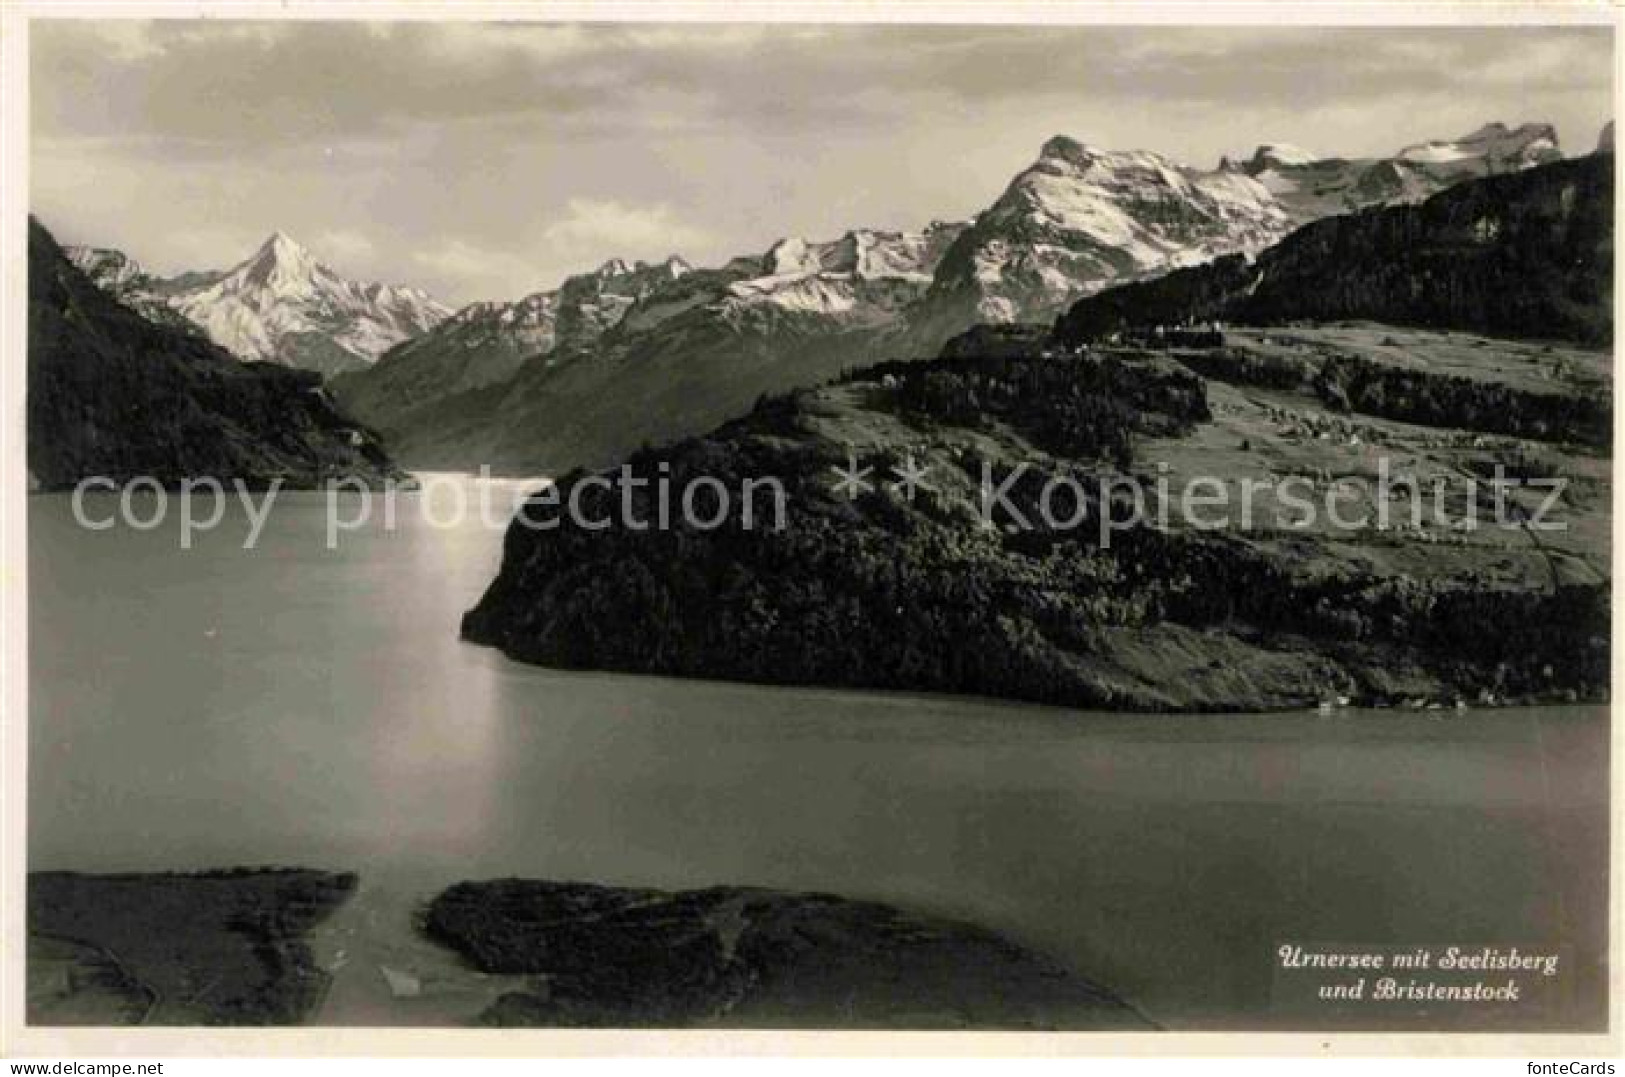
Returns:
<point x="491" y="160"/>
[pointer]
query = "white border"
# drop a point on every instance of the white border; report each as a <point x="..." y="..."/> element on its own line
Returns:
<point x="17" y="1040"/>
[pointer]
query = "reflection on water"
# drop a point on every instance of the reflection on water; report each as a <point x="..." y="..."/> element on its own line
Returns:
<point x="295" y="704"/>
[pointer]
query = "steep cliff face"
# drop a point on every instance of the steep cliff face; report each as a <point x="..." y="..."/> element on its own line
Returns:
<point x="1524" y="255"/>
<point x="113" y="394"/>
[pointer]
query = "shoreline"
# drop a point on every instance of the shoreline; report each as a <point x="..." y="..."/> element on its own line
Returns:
<point x="1400" y="704"/>
<point x="219" y="947"/>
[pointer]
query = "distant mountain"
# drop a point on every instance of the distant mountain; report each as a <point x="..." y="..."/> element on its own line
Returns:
<point x="862" y="282"/>
<point x="700" y="346"/>
<point x="1526" y="254"/>
<point x="279" y="305"/>
<point x="591" y="304"/>
<point x="282" y="305"/>
<point x="1080" y="219"/>
<point x="1605" y="140"/>
<point x="111" y="393"/>
<point x="690" y="349"/>
<point x="1489" y="151"/>
<point x="1310" y="187"/>
<point x="485" y="344"/>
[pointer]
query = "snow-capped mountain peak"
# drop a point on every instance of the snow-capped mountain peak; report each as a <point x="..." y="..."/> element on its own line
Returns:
<point x="280" y="304"/>
<point x="1494" y="147"/>
<point x="791" y="256"/>
<point x="1310" y="187"/>
<point x="284" y="248"/>
<point x="487" y="343"/>
<point x="865" y="274"/>
<point x="1080" y="218"/>
<point x="1067" y="148"/>
<point x="282" y="267"/>
<point x="1280" y="154"/>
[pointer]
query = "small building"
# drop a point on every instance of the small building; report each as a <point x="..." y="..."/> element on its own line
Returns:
<point x="1208" y="335"/>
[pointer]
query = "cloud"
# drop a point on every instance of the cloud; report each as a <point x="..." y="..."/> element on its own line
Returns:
<point x="595" y="225"/>
<point x="233" y="83"/>
<point x="489" y="160"/>
<point x="342" y="246"/>
<point x="271" y="84"/>
<point x="478" y="271"/>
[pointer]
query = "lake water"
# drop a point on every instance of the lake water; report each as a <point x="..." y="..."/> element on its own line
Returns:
<point x="295" y="704"/>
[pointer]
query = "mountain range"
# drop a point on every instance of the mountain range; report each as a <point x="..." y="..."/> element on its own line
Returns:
<point x="691" y="347"/>
<point x="279" y="305"/>
<point x="699" y="347"/>
<point x="940" y="587"/>
<point x="485" y="344"/>
<point x="1080" y="219"/>
<point x="117" y="394"/>
<point x="1518" y="255"/>
<point x="1309" y="187"/>
<point x="629" y="354"/>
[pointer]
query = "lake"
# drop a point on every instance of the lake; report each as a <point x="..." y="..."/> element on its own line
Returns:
<point x="294" y="704"/>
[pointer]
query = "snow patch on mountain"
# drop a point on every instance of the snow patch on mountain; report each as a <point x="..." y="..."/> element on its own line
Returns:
<point x="1311" y="188"/>
<point x="865" y="271"/>
<point x="1493" y="148"/>
<point x="862" y="253"/>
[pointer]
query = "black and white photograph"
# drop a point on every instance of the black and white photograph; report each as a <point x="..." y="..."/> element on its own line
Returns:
<point x="973" y="523"/>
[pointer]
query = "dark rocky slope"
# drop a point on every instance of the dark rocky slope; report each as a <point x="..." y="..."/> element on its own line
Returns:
<point x="113" y="394"/>
<point x="747" y="958"/>
<point x="206" y="948"/>
<point x="1525" y="255"/>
